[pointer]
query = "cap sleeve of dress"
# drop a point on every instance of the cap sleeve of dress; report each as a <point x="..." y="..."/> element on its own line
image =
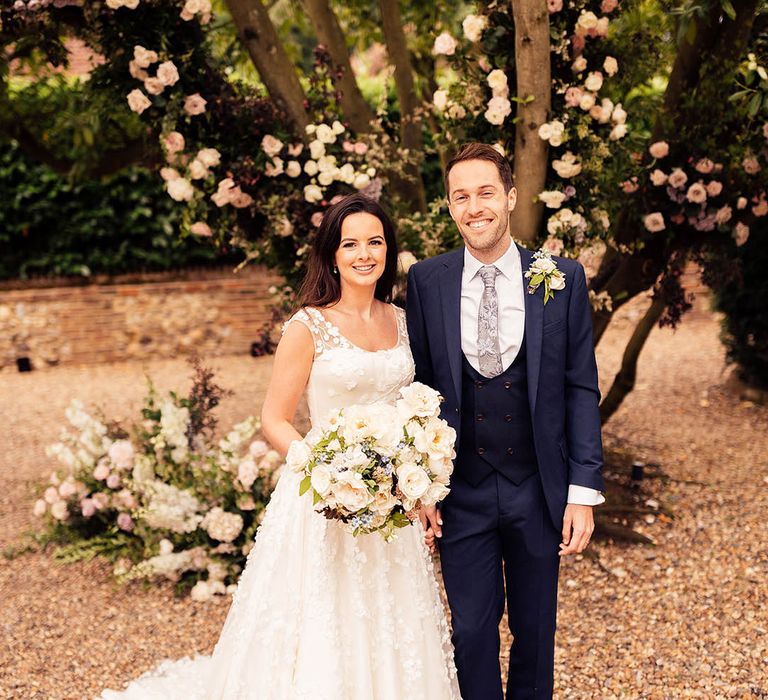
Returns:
<point x="301" y="316"/>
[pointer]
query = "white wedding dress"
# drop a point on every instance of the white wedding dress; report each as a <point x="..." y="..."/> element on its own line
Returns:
<point x="319" y="614"/>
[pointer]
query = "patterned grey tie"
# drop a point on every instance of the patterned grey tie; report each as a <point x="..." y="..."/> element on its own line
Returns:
<point x="488" y="324"/>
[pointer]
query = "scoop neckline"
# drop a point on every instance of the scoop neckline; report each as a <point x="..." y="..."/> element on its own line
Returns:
<point x="355" y="345"/>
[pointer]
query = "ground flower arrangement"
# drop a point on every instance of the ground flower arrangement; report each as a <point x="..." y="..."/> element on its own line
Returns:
<point x="161" y="498"/>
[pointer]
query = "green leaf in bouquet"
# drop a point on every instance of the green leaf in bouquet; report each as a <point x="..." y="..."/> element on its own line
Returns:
<point x="316" y="498"/>
<point x="305" y="485"/>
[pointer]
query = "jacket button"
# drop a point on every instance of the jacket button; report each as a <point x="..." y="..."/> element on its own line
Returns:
<point x="507" y="385"/>
<point x="510" y="451"/>
<point x="480" y="416"/>
<point x="508" y="418"/>
<point x="479" y="384"/>
<point x="481" y="450"/>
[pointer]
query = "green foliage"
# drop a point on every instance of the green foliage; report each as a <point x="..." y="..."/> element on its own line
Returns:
<point x="53" y="225"/>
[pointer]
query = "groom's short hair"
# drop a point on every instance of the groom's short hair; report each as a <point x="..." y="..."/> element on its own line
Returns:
<point x="481" y="151"/>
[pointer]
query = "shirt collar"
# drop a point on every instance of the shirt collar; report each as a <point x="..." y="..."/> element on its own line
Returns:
<point x="508" y="264"/>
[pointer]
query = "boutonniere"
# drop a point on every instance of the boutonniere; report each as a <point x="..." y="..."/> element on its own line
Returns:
<point x="543" y="270"/>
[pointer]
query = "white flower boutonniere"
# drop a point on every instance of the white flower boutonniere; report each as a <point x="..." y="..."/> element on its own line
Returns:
<point x="543" y="270"/>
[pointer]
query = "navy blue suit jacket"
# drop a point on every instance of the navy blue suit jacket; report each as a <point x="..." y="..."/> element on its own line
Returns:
<point x="562" y="373"/>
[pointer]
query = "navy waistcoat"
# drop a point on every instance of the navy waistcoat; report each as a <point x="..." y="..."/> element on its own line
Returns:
<point x="496" y="426"/>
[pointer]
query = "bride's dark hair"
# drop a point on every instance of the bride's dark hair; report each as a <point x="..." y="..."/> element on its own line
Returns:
<point x="321" y="286"/>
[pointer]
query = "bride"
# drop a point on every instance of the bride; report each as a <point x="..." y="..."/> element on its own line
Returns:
<point x="319" y="613"/>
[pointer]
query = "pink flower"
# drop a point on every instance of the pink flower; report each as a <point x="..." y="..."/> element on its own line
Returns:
<point x="630" y="186"/>
<point x="660" y="149"/>
<point x="125" y="499"/>
<point x="138" y="101"/>
<point x="113" y="481"/>
<point x="121" y="454"/>
<point x="169" y="174"/>
<point x="677" y="178"/>
<point x="125" y="522"/>
<point x="194" y="104"/>
<point x="40" y="508"/>
<point x="67" y="489"/>
<point x="741" y="203"/>
<point x="577" y="43"/>
<point x="705" y="166"/>
<point x="167" y="73"/>
<point x="348" y="146"/>
<point x="654" y="222"/>
<point x="677" y="218"/>
<point x="554" y="6"/>
<point x="740" y="233"/>
<point x="697" y="193"/>
<point x="553" y="245"/>
<point x="658" y="177"/>
<point x="316" y="219"/>
<point x="87" y="507"/>
<point x="714" y="188"/>
<point x="751" y="166"/>
<point x="295" y="149"/>
<point x="336" y="199"/>
<point x="760" y="209"/>
<point x="258" y="448"/>
<point x="200" y="228"/>
<point x="361" y="148"/>
<point x="153" y="86"/>
<point x="173" y="142"/>
<point x="607" y="6"/>
<point x="723" y="215"/>
<point x="573" y="96"/>
<point x="100" y="500"/>
<point x="101" y="471"/>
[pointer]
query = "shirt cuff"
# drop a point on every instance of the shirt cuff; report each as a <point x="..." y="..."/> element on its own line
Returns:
<point x="583" y="496"/>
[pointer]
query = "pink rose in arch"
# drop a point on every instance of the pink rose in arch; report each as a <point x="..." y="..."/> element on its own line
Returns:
<point x="705" y="166"/>
<point x="714" y="188"/>
<point x="578" y="43"/>
<point x="125" y="522"/>
<point x="554" y="6"/>
<point x="660" y="149"/>
<point x="113" y="481"/>
<point x="361" y="148"/>
<point x="677" y="219"/>
<point x="630" y="186"/>
<point x="740" y="233"/>
<point x="573" y="96"/>
<point x="723" y="215"/>
<point x="348" y="146"/>
<point x="87" y="507"/>
<point x="751" y="166"/>
<point x="194" y="104"/>
<point x="607" y="6"/>
<point x="761" y="208"/>
<point x="317" y="218"/>
<point x="654" y="222"/>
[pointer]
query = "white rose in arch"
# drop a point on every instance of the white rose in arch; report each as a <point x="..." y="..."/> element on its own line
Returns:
<point x="271" y="145"/>
<point x="310" y="168"/>
<point x="497" y="80"/>
<point x="445" y="44"/>
<point x="180" y="189"/>
<point x="209" y="157"/>
<point x="142" y="57"/>
<point x="611" y="65"/>
<point x="197" y="171"/>
<point x="317" y="149"/>
<point x="293" y="169"/>
<point x="473" y="26"/>
<point x="594" y="81"/>
<point x="325" y="134"/>
<point x="440" y="99"/>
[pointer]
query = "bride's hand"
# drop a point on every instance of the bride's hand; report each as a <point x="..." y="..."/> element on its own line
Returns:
<point x="431" y="521"/>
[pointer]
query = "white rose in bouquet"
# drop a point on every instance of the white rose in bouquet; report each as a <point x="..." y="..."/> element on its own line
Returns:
<point x="412" y="480"/>
<point x="298" y="455"/>
<point x="321" y="479"/>
<point x="351" y="491"/>
<point x="418" y="400"/>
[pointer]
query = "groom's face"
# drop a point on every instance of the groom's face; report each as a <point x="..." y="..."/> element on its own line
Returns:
<point x="479" y="205"/>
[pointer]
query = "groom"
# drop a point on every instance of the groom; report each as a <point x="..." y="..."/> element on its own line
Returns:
<point x="519" y="381"/>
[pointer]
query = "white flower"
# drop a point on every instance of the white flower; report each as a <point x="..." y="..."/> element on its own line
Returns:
<point x="347" y="173"/>
<point x="298" y="455"/>
<point x="167" y="73"/>
<point x="497" y="80"/>
<point x="169" y="174"/>
<point x="40" y="508"/>
<point x="121" y="453"/>
<point x="579" y="65"/>
<point x="412" y="480"/>
<point x="180" y="189"/>
<point x="293" y="169"/>
<point x="312" y="193"/>
<point x="144" y="58"/>
<point x="740" y="233"/>
<point x="440" y="99"/>
<point x="321" y="479"/>
<point x="316" y="149"/>
<point x="361" y="181"/>
<point x="567" y="166"/>
<point x="457" y="112"/>
<point x="436" y="439"/>
<point x="619" y="115"/>
<point x="557" y="281"/>
<point x="59" y="510"/>
<point x="274" y="168"/>
<point x="473" y="26"/>
<point x="201" y="592"/>
<point x="618" y="132"/>
<point x="351" y="491"/>
<point x="552" y="132"/>
<point x="197" y="171"/>
<point x="209" y="157"/>
<point x="271" y="145"/>
<point x="499" y="108"/>
<point x="222" y="526"/>
<point x="247" y="472"/>
<point x="325" y="134"/>
<point x="585" y="22"/>
<point x="552" y="199"/>
<point x="654" y="222"/>
<point x="418" y="400"/>
<point x="337" y="127"/>
<point x="310" y="168"/>
<point x="610" y="65"/>
<point x="587" y="101"/>
<point x="594" y="81"/>
<point x="437" y="491"/>
<point x="445" y="44"/>
<point x="138" y="101"/>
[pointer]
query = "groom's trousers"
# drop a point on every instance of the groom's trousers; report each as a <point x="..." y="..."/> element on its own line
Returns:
<point x="499" y="544"/>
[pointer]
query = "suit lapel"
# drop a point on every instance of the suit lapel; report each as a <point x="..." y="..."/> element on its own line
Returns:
<point x="534" y="323"/>
<point x="450" y="302"/>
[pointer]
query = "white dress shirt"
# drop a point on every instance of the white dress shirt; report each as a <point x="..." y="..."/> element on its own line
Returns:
<point x="511" y="295"/>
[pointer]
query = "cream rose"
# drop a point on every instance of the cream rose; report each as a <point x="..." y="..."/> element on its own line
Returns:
<point x="321" y="479"/>
<point x="473" y="26"/>
<point x="412" y="480"/>
<point x="138" y="101"/>
<point x="167" y="73"/>
<point x="418" y="400"/>
<point x="445" y="44"/>
<point x="440" y="99"/>
<point x="180" y="189"/>
<point x="654" y="222"/>
<point x="298" y="455"/>
<point x="194" y="104"/>
<point x="293" y="169"/>
<point x="351" y="491"/>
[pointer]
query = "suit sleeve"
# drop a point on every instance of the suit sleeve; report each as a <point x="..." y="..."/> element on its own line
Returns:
<point x="582" y="395"/>
<point x="417" y="333"/>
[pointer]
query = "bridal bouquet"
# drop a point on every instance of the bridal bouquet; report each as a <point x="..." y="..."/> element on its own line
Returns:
<point x="374" y="465"/>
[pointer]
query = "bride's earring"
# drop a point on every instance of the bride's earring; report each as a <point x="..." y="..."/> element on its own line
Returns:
<point x="335" y="270"/>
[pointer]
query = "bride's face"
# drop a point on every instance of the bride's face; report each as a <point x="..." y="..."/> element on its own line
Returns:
<point x="362" y="253"/>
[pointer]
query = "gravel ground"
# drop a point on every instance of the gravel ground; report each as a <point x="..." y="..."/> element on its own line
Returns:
<point x="685" y="618"/>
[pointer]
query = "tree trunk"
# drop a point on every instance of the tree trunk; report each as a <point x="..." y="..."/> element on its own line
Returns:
<point x="624" y="382"/>
<point x="357" y="112"/>
<point x="410" y="126"/>
<point x="277" y="72"/>
<point x="532" y="65"/>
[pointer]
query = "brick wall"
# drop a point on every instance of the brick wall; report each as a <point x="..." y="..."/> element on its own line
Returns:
<point x="215" y="312"/>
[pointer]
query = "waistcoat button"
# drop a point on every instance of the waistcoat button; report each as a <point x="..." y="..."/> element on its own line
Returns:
<point x="510" y="451"/>
<point x="507" y="385"/>
<point x="508" y="418"/>
<point x="480" y="416"/>
<point x="479" y="384"/>
<point x="481" y="450"/>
